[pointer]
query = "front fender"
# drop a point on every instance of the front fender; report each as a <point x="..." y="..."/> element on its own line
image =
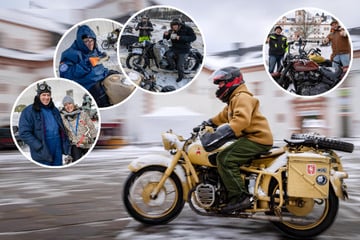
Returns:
<point x="160" y="160"/>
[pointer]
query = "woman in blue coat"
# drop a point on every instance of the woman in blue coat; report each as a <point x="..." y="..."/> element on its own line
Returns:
<point x="41" y="127"/>
<point x="81" y="63"/>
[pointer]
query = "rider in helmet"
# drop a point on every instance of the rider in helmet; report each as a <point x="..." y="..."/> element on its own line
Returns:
<point x="181" y="36"/>
<point x="241" y="120"/>
<point x="145" y="28"/>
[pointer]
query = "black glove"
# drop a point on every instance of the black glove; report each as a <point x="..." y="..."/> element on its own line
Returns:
<point x="203" y="125"/>
<point x="208" y="123"/>
<point x="212" y="141"/>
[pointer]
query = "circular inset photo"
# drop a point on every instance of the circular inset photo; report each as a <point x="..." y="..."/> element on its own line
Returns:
<point x="308" y="52"/>
<point x="55" y="122"/>
<point x="87" y="54"/>
<point x="161" y="49"/>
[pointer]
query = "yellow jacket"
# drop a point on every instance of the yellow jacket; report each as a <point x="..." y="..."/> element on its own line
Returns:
<point x="244" y="117"/>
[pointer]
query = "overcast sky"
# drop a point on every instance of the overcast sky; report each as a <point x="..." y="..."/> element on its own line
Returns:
<point x="226" y="21"/>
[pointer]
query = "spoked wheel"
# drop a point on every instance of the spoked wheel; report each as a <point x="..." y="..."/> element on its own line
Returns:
<point x="317" y="214"/>
<point x="191" y="63"/>
<point x="134" y="61"/>
<point x="160" y="209"/>
<point x="105" y="44"/>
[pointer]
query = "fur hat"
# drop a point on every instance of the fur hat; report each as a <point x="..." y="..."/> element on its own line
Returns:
<point x="43" y="88"/>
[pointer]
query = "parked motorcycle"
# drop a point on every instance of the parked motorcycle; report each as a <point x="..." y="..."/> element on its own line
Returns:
<point x="307" y="73"/>
<point x="109" y="42"/>
<point x="143" y="53"/>
<point x="297" y="186"/>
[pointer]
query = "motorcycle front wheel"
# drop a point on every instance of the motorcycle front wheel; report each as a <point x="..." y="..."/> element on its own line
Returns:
<point x="134" y="61"/>
<point x="318" y="214"/>
<point x="161" y="209"/>
<point x="105" y="44"/>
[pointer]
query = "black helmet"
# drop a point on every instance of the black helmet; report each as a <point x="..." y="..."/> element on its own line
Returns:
<point x="175" y="21"/>
<point x="232" y="78"/>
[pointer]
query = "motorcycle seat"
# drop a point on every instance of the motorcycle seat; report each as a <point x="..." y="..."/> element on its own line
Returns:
<point x="331" y="72"/>
<point x="295" y="142"/>
<point x="271" y="153"/>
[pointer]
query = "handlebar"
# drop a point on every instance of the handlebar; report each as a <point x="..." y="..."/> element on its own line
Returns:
<point x="301" y="41"/>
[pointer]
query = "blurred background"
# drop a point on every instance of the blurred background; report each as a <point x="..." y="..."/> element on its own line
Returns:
<point x="30" y="31"/>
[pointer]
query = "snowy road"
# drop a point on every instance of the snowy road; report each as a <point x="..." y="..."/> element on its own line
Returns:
<point x="84" y="202"/>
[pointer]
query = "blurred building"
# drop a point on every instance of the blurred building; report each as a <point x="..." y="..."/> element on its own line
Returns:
<point x="26" y="55"/>
<point x="333" y="114"/>
<point x="311" y="25"/>
<point x="28" y="39"/>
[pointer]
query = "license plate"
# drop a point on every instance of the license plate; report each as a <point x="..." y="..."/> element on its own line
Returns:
<point x="137" y="50"/>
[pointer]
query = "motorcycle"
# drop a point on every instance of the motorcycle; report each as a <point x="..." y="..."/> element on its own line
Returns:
<point x="297" y="187"/>
<point x="307" y="73"/>
<point x="109" y="42"/>
<point x="143" y="53"/>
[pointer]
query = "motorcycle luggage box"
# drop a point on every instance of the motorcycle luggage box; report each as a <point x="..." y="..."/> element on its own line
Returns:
<point x="309" y="175"/>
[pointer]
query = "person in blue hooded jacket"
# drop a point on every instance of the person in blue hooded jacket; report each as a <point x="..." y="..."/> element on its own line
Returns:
<point x="41" y="127"/>
<point x="81" y="63"/>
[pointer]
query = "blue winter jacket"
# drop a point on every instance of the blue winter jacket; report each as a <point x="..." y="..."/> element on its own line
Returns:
<point x="31" y="131"/>
<point x="75" y="64"/>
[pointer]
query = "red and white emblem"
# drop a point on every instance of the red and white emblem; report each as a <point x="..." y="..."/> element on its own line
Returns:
<point x="198" y="151"/>
<point x="311" y="169"/>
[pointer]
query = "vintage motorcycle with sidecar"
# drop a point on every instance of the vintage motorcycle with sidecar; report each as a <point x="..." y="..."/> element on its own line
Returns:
<point x="297" y="186"/>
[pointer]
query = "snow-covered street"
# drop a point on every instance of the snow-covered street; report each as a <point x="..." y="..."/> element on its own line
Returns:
<point x="86" y="200"/>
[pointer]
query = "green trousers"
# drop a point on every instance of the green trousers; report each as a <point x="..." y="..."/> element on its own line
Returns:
<point x="231" y="158"/>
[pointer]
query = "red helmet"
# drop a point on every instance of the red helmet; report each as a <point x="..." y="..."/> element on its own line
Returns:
<point x="231" y="77"/>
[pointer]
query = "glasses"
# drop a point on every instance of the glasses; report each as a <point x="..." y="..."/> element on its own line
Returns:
<point x="88" y="40"/>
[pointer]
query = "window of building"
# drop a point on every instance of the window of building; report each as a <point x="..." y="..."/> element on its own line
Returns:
<point x="70" y="93"/>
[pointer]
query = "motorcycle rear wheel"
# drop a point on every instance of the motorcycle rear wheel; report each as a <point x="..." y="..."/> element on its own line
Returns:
<point x="191" y="63"/>
<point x="166" y="206"/>
<point x="322" y="215"/>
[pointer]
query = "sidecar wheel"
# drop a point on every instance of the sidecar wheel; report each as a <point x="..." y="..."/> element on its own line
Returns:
<point x="166" y="206"/>
<point x="319" y="216"/>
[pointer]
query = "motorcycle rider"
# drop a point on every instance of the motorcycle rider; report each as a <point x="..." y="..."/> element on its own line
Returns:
<point x="240" y="119"/>
<point x="145" y="28"/>
<point x="278" y="46"/>
<point x="181" y="37"/>
<point x="340" y="44"/>
<point x="81" y="63"/>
